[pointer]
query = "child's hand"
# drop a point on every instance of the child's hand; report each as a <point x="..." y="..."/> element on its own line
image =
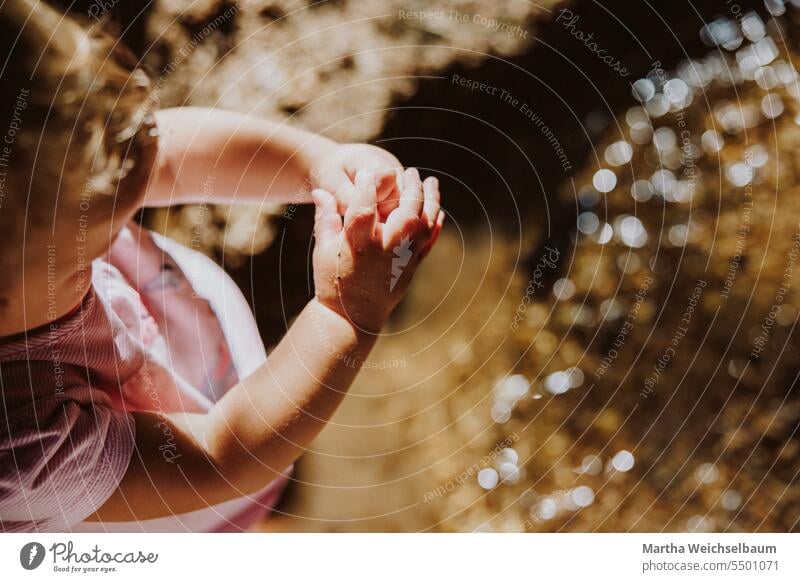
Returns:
<point x="362" y="268"/>
<point x="335" y="171"/>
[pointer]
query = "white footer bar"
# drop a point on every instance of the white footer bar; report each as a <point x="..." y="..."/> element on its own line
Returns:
<point x="401" y="557"/>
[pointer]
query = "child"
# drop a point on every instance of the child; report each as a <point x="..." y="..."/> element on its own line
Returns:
<point x="136" y="395"/>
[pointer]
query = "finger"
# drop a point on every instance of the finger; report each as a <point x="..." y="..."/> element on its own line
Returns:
<point x="434" y="235"/>
<point x="360" y="218"/>
<point x="430" y="188"/>
<point x="389" y="190"/>
<point x="392" y="201"/>
<point x="400" y="173"/>
<point x="327" y="222"/>
<point x="386" y="180"/>
<point x="402" y="223"/>
<point x="344" y="190"/>
<point x="412" y="198"/>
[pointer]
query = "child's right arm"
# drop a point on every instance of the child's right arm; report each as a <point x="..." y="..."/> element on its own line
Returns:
<point x="265" y="423"/>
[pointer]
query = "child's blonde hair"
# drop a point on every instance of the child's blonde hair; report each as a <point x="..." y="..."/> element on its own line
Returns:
<point x="75" y="112"/>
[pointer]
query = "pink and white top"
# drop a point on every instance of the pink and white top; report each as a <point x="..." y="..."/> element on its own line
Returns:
<point x="162" y="329"/>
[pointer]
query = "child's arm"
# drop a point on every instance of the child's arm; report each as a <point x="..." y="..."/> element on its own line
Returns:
<point x="265" y="422"/>
<point x="219" y="157"/>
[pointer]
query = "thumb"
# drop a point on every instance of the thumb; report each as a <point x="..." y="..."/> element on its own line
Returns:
<point x="327" y="222"/>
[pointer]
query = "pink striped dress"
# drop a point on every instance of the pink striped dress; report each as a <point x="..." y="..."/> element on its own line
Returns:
<point x="162" y="329"/>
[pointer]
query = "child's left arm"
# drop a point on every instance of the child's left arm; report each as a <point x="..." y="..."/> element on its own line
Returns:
<point x="219" y="157"/>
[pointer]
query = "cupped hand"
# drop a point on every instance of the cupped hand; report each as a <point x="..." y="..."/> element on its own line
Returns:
<point x="362" y="267"/>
